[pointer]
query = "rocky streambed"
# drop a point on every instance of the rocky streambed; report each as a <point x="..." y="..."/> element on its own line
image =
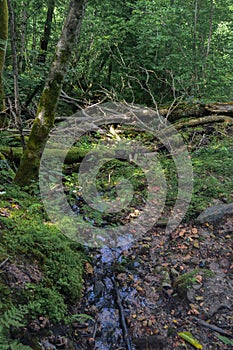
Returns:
<point x="153" y="293"/>
<point x="159" y="292"/>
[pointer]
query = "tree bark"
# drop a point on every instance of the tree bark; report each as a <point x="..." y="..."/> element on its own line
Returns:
<point x="47" y="29"/>
<point x="3" y="45"/>
<point x="17" y="107"/>
<point x="29" y="165"/>
<point x="195" y="47"/>
<point x="23" y="37"/>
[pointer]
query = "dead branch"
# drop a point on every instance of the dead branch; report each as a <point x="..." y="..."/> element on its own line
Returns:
<point x="212" y="327"/>
<point x="127" y="338"/>
<point x="204" y="120"/>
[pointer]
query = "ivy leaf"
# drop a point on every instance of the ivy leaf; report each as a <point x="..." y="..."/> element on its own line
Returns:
<point x="187" y="336"/>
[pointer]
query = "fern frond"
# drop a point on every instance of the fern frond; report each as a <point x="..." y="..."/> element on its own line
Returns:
<point x="14" y="317"/>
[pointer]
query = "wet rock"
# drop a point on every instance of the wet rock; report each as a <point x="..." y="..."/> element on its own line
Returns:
<point x="215" y="213"/>
<point x="218" y="294"/>
<point x="99" y="288"/>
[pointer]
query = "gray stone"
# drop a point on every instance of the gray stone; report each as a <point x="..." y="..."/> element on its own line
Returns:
<point x="215" y="213"/>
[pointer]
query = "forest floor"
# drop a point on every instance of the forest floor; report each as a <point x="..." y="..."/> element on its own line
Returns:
<point x="162" y="286"/>
<point x="161" y="291"/>
<point x="158" y="303"/>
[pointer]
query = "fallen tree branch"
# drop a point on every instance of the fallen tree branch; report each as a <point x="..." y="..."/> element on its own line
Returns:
<point x="126" y="335"/>
<point x="204" y="120"/>
<point x="212" y="327"/>
<point x="220" y="107"/>
<point x="68" y="99"/>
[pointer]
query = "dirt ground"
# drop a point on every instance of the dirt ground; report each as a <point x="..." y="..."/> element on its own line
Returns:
<point x="165" y="285"/>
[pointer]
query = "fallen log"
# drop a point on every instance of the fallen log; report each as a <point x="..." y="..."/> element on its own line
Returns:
<point x="204" y="120"/>
<point x="196" y="110"/>
<point x="74" y="155"/>
<point x="220" y="108"/>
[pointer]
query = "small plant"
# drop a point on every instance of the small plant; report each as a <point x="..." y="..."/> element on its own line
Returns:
<point x="225" y="340"/>
<point x="81" y="318"/>
<point x="186" y="280"/>
<point x="11" y="319"/>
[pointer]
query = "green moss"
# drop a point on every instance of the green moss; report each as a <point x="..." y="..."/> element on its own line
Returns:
<point x="14" y="154"/>
<point x="27" y="238"/>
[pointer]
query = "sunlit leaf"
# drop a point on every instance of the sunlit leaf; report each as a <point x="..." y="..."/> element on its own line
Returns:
<point x="187" y="336"/>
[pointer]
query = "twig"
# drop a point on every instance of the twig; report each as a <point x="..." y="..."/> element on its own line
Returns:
<point x="4" y="262"/>
<point x="122" y="315"/>
<point x="94" y="330"/>
<point x="212" y="327"/>
<point x="71" y="100"/>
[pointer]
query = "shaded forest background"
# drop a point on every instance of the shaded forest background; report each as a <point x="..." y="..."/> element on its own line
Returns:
<point x="140" y="51"/>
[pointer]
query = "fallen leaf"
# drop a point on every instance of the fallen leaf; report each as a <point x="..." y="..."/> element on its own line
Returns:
<point x="194" y="230"/>
<point x="187" y="336"/>
<point x="89" y="269"/>
<point x="196" y="244"/>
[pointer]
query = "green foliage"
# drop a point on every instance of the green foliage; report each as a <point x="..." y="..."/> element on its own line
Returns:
<point x="26" y="235"/>
<point x="109" y="176"/>
<point x="131" y="50"/>
<point x="212" y="175"/>
<point x="12" y="318"/>
<point x="187" y="279"/>
<point x="81" y="318"/>
<point x="212" y="172"/>
<point x="46" y="301"/>
<point x="7" y="174"/>
<point x="62" y="264"/>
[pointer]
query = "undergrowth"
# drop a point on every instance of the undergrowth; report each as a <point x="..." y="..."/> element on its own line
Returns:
<point x="42" y="269"/>
<point x="212" y="164"/>
<point x="31" y="245"/>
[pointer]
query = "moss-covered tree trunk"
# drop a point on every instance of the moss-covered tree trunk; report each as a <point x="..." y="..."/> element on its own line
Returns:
<point x="3" y="44"/>
<point x="29" y="165"/>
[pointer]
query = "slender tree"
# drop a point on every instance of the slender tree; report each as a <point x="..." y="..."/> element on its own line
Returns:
<point x="44" y="121"/>
<point x="3" y="44"/>
<point x="47" y="29"/>
<point x="17" y="108"/>
<point x="23" y="32"/>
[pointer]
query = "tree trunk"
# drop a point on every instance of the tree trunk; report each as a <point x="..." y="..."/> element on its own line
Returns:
<point x="23" y="37"/>
<point x="3" y="45"/>
<point x="17" y="108"/>
<point x="29" y="165"/>
<point x="195" y="48"/>
<point x="47" y="29"/>
<point x="205" y="65"/>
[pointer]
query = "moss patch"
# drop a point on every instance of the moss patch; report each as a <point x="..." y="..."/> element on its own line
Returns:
<point x="41" y="268"/>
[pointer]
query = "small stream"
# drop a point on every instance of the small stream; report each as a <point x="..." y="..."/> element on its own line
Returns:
<point x="110" y="332"/>
<point x="108" y="298"/>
